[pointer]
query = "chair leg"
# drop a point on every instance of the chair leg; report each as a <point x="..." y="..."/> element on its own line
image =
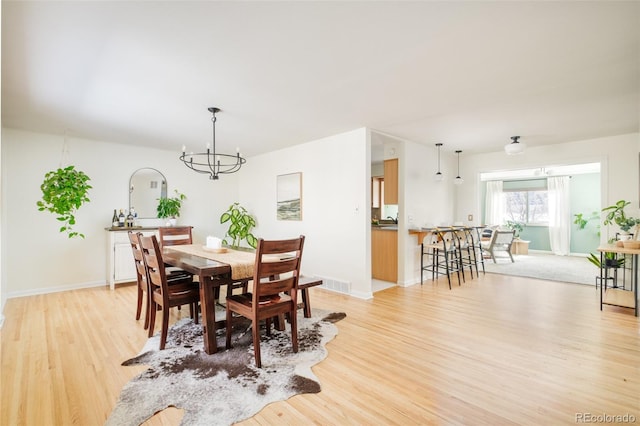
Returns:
<point x="139" y="307"/>
<point x="446" y="266"/>
<point x="165" y="328"/>
<point x="229" y="328"/>
<point x="294" y="330"/>
<point x="147" y="310"/>
<point x="255" y="331"/>
<point x="153" y="308"/>
<point x="267" y="326"/>
<point x="307" y="305"/>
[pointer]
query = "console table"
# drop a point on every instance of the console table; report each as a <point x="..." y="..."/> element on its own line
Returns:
<point x="120" y="266"/>
<point x="618" y="296"/>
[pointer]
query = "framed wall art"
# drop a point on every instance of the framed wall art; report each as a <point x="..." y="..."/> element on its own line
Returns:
<point x="289" y="196"/>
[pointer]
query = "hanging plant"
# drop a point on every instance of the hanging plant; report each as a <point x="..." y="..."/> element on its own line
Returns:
<point x="240" y="227"/>
<point x="63" y="193"/>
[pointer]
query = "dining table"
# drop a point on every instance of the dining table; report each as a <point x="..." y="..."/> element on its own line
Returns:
<point x="214" y="268"/>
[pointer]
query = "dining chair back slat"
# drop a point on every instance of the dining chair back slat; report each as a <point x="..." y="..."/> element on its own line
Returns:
<point x="175" y="235"/>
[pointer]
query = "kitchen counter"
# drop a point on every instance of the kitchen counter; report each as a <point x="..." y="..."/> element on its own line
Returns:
<point x="385" y="227"/>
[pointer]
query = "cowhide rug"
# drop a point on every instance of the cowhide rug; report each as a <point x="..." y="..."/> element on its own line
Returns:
<point x="226" y="387"/>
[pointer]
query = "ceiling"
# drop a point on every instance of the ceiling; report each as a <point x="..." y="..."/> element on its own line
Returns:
<point x="467" y="74"/>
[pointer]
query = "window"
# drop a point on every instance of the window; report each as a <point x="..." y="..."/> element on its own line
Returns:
<point x="527" y="201"/>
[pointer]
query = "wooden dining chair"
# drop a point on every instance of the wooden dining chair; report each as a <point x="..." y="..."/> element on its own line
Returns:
<point x="162" y="295"/>
<point x="174" y="235"/>
<point x="274" y="292"/>
<point x="141" y="278"/>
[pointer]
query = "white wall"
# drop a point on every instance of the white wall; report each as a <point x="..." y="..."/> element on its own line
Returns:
<point x="37" y="258"/>
<point x="618" y="156"/>
<point x="3" y="293"/>
<point x="335" y="204"/>
<point x="426" y="202"/>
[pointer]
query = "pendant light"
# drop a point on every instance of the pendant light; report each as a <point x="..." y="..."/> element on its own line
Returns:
<point x="515" y="147"/>
<point x="458" y="180"/>
<point x="438" y="177"/>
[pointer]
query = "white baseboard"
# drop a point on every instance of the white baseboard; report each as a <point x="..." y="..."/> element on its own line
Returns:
<point x="362" y="295"/>
<point x="48" y="290"/>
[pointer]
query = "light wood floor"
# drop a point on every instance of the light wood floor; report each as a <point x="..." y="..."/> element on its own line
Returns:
<point x="498" y="350"/>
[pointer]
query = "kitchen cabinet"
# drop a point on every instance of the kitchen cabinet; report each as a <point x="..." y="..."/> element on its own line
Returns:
<point x="384" y="254"/>
<point x="120" y="265"/>
<point x="377" y="192"/>
<point x="391" y="181"/>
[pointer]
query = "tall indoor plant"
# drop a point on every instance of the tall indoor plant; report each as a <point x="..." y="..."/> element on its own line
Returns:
<point x="240" y="225"/>
<point x="64" y="191"/>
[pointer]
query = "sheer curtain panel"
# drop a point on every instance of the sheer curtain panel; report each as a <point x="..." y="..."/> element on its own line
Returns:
<point x="559" y="215"/>
<point x="494" y="205"/>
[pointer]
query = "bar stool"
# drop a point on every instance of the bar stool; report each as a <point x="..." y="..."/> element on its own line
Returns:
<point x="467" y="250"/>
<point x="442" y="255"/>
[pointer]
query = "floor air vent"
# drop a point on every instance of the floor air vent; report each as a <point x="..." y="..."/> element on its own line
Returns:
<point x="336" y="285"/>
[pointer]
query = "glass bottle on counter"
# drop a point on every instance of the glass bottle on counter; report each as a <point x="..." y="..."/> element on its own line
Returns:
<point x="135" y="216"/>
<point x="114" y="220"/>
<point x="129" y="220"/>
<point x="121" y="218"/>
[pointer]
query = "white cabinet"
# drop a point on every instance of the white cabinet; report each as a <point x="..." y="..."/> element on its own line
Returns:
<point x="120" y="265"/>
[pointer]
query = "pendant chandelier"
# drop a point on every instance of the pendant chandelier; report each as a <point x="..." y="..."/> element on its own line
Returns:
<point x="212" y="162"/>
<point x="458" y="180"/>
<point x="515" y="147"/>
<point x="438" y="176"/>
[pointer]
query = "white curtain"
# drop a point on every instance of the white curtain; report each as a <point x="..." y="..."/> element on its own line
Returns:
<point x="494" y="205"/>
<point x="559" y="215"/>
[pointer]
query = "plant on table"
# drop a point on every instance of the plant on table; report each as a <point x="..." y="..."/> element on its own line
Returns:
<point x="616" y="215"/>
<point x="64" y="191"/>
<point x="241" y="224"/>
<point x="169" y="207"/>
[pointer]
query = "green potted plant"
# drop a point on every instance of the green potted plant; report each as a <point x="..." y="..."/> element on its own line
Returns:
<point x="169" y="207"/>
<point x="616" y="215"/>
<point x="515" y="226"/>
<point x="582" y="220"/>
<point x="611" y="260"/>
<point x="240" y="225"/>
<point x="64" y="191"/>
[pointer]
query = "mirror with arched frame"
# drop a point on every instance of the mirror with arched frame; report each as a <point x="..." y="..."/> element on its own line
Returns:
<point x="146" y="186"/>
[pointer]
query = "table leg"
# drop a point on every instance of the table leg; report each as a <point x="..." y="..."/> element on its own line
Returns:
<point x="601" y="282"/>
<point x="634" y="282"/>
<point x="208" y="306"/>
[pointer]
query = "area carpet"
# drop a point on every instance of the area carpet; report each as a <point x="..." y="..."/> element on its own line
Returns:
<point x="571" y="269"/>
<point x="226" y="387"/>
